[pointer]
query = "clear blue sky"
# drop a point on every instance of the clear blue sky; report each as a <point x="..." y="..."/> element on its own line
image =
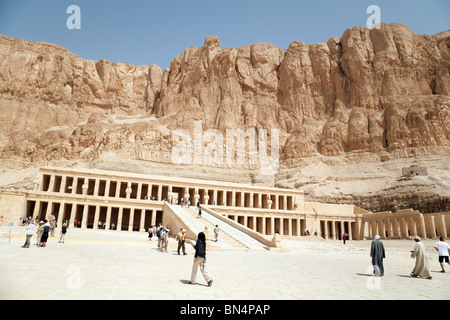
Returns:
<point x="144" y="32"/>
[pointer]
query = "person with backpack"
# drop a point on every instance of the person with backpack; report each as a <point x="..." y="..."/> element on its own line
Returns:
<point x="181" y="237"/>
<point x="158" y="235"/>
<point x="162" y="234"/>
<point x="200" y="260"/>
<point x="63" y="233"/>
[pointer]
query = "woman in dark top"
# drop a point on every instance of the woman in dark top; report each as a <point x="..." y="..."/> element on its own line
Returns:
<point x="200" y="260"/>
<point x="45" y="234"/>
<point x="63" y="233"/>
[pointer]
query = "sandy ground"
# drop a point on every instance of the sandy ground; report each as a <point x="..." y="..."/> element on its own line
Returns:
<point x="111" y="265"/>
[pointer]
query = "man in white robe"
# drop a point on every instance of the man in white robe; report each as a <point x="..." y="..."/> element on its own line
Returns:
<point x="421" y="268"/>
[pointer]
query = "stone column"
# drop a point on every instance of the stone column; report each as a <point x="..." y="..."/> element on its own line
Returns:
<point x="432" y="227"/>
<point x="394" y="223"/>
<point x="421" y="227"/>
<point x="215" y="201"/>
<point x="36" y="209"/>
<point x="139" y="191"/>
<point x="442" y="229"/>
<point x="403" y="228"/>
<point x="63" y="184"/>
<point x="272" y="225"/>
<point x="84" y="218"/>
<point x="96" y="187"/>
<point x="333" y="226"/>
<point x="142" y="222"/>
<point x="59" y="221"/>
<point x="153" y="222"/>
<point x="107" y="188"/>
<point x="119" y="219"/>
<point x="96" y="215"/>
<point x="325" y="231"/>
<point x="108" y="218"/>
<point x="118" y="189"/>
<point x="73" y="213"/>
<point x="159" y="192"/>
<point x="290" y="227"/>
<point x="149" y="191"/>
<point x="74" y="185"/>
<point x="131" y="220"/>
<point x="263" y="222"/>
<point x="49" y="210"/>
<point x="350" y="233"/>
<point x="52" y="183"/>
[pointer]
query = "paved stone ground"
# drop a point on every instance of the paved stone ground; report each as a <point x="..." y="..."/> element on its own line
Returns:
<point x="126" y="265"/>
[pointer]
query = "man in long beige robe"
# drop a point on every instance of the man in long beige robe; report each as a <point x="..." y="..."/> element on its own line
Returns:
<point x="421" y="268"/>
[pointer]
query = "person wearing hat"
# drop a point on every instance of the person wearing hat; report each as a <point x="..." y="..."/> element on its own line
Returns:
<point x="28" y="233"/>
<point x="39" y="232"/>
<point x="421" y="267"/>
<point x="181" y="237"/>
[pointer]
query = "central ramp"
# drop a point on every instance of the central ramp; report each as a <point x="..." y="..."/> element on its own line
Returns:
<point x="230" y="238"/>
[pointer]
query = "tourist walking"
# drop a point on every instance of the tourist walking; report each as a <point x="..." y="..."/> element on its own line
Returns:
<point x="442" y="247"/>
<point x="45" y="232"/>
<point x="28" y="234"/>
<point x="200" y="260"/>
<point x="216" y="232"/>
<point x="181" y="237"/>
<point x="378" y="254"/>
<point x="39" y="232"/>
<point x="52" y="227"/>
<point x="345" y="236"/>
<point x="158" y="234"/>
<point x="199" y="212"/>
<point x="150" y="233"/>
<point x="63" y="233"/>
<point x="421" y="267"/>
<point x="166" y="238"/>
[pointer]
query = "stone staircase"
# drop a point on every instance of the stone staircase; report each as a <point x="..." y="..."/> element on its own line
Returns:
<point x="229" y="236"/>
<point x="225" y="241"/>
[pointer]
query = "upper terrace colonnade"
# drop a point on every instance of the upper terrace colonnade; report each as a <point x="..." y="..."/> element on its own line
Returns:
<point x="135" y="201"/>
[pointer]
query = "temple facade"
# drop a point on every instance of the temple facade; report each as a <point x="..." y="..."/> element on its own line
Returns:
<point x="110" y="200"/>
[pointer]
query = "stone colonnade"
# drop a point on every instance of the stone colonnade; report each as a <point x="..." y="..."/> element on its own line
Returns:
<point x="334" y="229"/>
<point x="406" y="224"/>
<point x="171" y="190"/>
<point x="135" y="202"/>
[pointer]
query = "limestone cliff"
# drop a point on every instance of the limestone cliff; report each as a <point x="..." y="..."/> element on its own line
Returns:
<point x="371" y="95"/>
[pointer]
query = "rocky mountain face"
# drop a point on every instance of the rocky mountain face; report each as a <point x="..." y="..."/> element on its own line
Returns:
<point x="371" y="95"/>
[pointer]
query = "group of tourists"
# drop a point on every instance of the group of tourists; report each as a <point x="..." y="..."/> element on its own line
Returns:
<point x="45" y="229"/>
<point x="162" y="233"/>
<point x="421" y="267"/>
